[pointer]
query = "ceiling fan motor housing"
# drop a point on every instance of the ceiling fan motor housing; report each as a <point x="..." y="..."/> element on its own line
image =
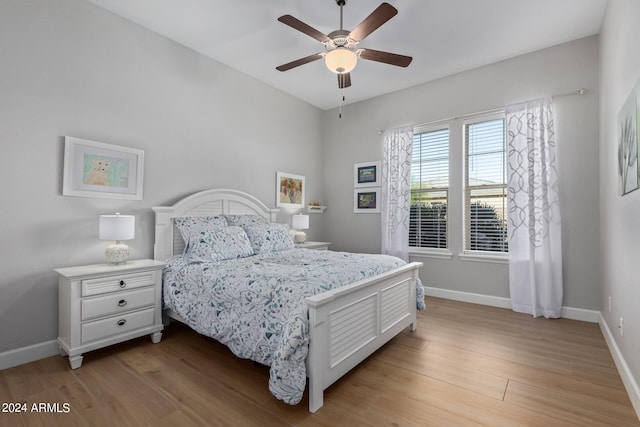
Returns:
<point x="340" y="38"/>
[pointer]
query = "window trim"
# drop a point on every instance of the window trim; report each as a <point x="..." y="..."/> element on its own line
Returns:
<point x="485" y="256"/>
<point x="434" y="253"/>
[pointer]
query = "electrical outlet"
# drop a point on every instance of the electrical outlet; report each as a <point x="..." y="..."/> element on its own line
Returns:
<point x="621" y="327"/>
<point x="609" y="303"/>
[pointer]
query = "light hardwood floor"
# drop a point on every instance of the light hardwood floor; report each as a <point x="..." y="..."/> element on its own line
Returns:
<point x="466" y="365"/>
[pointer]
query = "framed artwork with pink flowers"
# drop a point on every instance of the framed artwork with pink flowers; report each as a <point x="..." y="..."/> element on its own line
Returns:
<point x="289" y="190"/>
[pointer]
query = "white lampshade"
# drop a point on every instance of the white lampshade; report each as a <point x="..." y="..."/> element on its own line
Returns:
<point x="300" y="222"/>
<point x="117" y="227"/>
<point x="341" y="60"/>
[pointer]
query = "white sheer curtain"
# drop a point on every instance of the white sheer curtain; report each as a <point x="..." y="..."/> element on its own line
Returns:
<point x="535" y="248"/>
<point x="395" y="195"/>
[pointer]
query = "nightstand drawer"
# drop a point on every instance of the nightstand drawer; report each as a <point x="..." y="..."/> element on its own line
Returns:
<point x="117" y="303"/>
<point x="313" y="245"/>
<point x="116" y="325"/>
<point x="114" y="283"/>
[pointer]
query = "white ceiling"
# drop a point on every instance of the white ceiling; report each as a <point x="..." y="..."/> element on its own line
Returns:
<point x="443" y="37"/>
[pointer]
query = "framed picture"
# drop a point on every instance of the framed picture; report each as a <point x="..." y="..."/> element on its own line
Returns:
<point x="95" y="169"/>
<point x="629" y="143"/>
<point x="366" y="174"/>
<point x="366" y="200"/>
<point x="289" y="190"/>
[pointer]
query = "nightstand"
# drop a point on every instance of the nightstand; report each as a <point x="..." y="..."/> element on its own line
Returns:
<point x="314" y="245"/>
<point x="101" y="305"/>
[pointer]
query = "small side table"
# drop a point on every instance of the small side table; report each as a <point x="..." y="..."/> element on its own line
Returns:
<point x="101" y="305"/>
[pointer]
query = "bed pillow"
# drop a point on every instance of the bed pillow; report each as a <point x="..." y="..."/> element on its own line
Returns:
<point x="187" y="223"/>
<point x="217" y="244"/>
<point x="266" y="238"/>
<point x="242" y="220"/>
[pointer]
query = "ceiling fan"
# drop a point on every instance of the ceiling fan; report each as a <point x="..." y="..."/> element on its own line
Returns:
<point x="341" y="46"/>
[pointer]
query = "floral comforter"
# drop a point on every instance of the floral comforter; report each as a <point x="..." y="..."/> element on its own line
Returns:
<point x="255" y="305"/>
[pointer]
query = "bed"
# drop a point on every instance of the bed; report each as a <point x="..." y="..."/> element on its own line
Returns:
<point x="325" y="329"/>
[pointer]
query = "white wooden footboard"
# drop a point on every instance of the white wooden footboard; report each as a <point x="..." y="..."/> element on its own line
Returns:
<point x="348" y="324"/>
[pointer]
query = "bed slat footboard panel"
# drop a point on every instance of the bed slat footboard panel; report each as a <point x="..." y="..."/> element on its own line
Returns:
<point x="348" y="324"/>
<point x="395" y="302"/>
<point x="352" y="327"/>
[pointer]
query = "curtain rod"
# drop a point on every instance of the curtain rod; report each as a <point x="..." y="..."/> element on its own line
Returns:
<point x="581" y="91"/>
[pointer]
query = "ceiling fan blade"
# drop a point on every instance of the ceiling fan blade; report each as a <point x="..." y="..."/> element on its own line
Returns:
<point x="344" y="80"/>
<point x="382" y="14"/>
<point x="385" y="57"/>
<point x="297" y="24"/>
<point x="299" y="62"/>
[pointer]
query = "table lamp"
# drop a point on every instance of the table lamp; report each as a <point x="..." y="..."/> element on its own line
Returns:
<point x="300" y="222"/>
<point x="117" y="227"/>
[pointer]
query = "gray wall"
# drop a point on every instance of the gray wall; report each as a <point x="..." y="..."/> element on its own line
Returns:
<point x="619" y="216"/>
<point x="556" y="70"/>
<point x="70" y="68"/>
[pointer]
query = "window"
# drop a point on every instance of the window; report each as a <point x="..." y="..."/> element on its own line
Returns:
<point x="485" y="186"/>
<point x="429" y="188"/>
<point x="459" y="189"/>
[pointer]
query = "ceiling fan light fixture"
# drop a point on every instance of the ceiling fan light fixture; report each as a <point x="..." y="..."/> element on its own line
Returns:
<point x="341" y="60"/>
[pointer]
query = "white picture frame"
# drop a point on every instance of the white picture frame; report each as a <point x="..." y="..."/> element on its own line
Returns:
<point x="366" y="200"/>
<point x="96" y="169"/>
<point x="629" y="143"/>
<point x="366" y="174"/>
<point x="290" y="190"/>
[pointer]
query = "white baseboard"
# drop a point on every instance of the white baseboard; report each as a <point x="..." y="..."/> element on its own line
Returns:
<point x="592" y="316"/>
<point x="20" y="356"/>
<point x="630" y="383"/>
<point x="468" y="297"/>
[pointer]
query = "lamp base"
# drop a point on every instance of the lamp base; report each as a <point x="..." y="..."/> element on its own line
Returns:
<point x="300" y="237"/>
<point x="117" y="253"/>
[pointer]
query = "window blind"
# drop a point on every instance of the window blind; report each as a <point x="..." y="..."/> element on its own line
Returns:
<point x="485" y="186"/>
<point x="429" y="189"/>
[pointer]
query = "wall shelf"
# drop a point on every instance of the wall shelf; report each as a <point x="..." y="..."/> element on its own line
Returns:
<point x="315" y="209"/>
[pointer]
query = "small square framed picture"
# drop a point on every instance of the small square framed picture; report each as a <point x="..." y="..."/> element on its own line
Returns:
<point x="366" y="174"/>
<point x="366" y="200"/>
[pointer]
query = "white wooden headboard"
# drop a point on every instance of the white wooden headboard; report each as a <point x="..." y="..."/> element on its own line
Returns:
<point x="204" y="203"/>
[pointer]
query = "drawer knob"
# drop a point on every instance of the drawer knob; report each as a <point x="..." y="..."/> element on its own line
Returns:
<point x="123" y="284"/>
<point x="122" y="303"/>
<point x="121" y="322"/>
